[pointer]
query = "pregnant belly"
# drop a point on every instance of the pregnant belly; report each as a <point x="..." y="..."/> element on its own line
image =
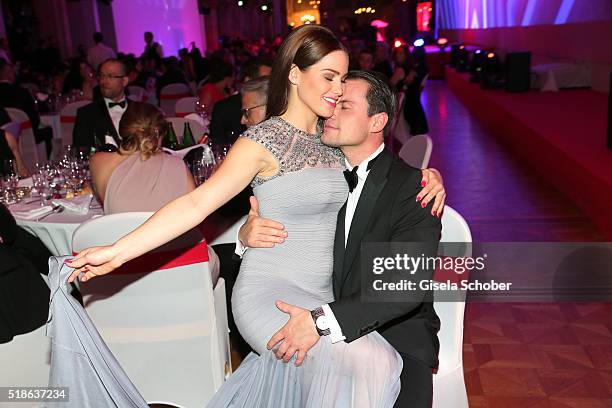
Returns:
<point x="268" y="275"/>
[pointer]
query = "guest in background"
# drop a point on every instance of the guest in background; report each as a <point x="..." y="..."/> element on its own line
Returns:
<point x="220" y="79"/>
<point x="14" y="96"/>
<point x="152" y="48"/>
<point x="186" y="64"/>
<point x="100" y="52"/>
<point x="413" y="87"/>
<point x="254" y="95"/>
<point x="200" y="64"/>
<point x="365" y="60"/>
<point x="80" y="78"/>
<point x="97" y="123"/>
<point x="139" y="176"/>
<point x="226" y="121"/>
<point x="171" y="74"/>
<point x="381" y="59"/>
<point x="137" y="75"/>
<point x="404" y="71"/>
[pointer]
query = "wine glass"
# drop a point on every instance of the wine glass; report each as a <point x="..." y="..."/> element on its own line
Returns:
<point x="9" y="170"/>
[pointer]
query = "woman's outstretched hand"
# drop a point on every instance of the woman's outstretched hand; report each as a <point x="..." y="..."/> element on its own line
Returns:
<point x="94" y="261"/>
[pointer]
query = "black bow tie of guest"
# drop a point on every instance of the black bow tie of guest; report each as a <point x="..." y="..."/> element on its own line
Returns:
<point x="121" y="104"/>
<point x="351" y="175"/>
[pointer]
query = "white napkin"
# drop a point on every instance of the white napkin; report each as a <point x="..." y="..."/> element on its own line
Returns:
<point x="204" y="122"/>
<point x="29" y="211"/>
<point x="78" y="204"/>
<point x="26" y="182"/>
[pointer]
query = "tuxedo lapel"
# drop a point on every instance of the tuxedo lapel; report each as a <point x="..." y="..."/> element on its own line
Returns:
<point x="339" y="250"/>
<point x="376" y="181"/>
<point x="109" y="122"/>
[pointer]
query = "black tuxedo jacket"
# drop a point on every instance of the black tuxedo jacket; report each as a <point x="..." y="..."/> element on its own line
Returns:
<point x="94" y="122"/>
<point x="387" y="211"/>
<point x="225" y="118"/>
<point x="24" y="296"/>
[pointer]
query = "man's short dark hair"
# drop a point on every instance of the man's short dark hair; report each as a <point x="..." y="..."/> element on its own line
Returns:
<point x="124" y="68"/>
<point x="98" y="37"/>
<point x="250" y="69"/>
<point x="380" y="97"/>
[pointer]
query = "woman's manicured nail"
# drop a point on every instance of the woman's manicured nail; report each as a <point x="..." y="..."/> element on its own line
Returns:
<point x="423" y="204"/>
<point x="418" y="198"/>
<point x="423" y="183"/>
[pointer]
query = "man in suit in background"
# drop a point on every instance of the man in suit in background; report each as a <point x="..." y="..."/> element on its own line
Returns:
<point x="254" y="97"/>
<point x="226" y="115"/>
<point x="385" y="204"/>
<point x="14" y="96"/>
<point x="100" y="52"/>
<point x="97" y="124"/>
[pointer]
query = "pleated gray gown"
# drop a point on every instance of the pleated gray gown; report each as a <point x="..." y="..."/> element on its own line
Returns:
<point x="305" y="196"/>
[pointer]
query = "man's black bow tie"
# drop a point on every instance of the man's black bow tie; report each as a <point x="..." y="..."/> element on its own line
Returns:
<point x="351" y="175"/>
<point x="121" y="104"/>
<point x="351" y="178"/>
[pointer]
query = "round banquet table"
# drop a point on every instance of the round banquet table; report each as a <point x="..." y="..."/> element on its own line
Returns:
<point x="55" y="230"/>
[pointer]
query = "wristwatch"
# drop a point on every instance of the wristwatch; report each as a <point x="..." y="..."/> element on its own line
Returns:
<point x="320" y="321"/>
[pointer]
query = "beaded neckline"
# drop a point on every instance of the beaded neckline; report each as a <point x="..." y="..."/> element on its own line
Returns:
<point x="298" y="130"/>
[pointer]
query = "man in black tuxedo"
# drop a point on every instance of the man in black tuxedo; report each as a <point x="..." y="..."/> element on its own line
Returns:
<point x="97" y="124"/>
<point x="227" y="113"/>
<point x="15" y="96"/>
<point x="385" y="204"/>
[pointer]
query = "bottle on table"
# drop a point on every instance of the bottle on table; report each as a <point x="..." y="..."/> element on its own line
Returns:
<point x="170" y="141"/>
<point x="188" y="139"/>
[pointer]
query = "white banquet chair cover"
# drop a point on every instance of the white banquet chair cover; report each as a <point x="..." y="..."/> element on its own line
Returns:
<point x="13" y="128"/>
<point x="185" y="106"/>
<point x="67" y="118"/>
<point x="171" y="336"/>
<point x="416" y="152"/>
<point x="448" y="383"/>
<point x="168" y="96"/>
<point x="31" y="151"/>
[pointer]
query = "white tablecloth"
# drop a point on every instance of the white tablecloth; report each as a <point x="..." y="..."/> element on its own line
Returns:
<point x="552" y="77"/>
<point x="55" y="230"/>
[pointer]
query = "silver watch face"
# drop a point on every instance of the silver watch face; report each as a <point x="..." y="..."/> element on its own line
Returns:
<point x="322" y="323"/>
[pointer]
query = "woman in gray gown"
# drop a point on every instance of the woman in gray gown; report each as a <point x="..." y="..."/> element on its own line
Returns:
<point x="299" y="182"/>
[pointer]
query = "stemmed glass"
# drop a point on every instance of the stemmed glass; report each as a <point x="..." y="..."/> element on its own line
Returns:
<point x="9" y="181"/>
